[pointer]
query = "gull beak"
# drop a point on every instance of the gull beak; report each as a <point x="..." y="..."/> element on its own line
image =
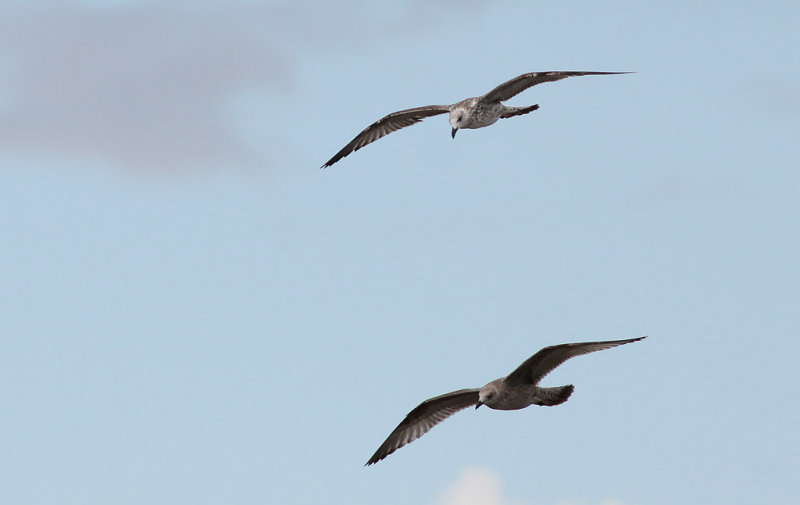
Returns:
<point x="453" y="134"/>
<point x="479" y="402"/>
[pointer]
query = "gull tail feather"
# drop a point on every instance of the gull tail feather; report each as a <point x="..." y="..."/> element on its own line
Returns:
<point x="554" y="396"/>
<point x="518" y="111"/>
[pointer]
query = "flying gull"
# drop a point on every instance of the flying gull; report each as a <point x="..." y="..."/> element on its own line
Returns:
<point x="516" y="391"/>
<point x="475" y="112"/>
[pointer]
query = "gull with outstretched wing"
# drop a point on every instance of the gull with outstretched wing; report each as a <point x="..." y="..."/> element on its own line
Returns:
<point x="475" y="112"/>
<point x="518" y="390"/>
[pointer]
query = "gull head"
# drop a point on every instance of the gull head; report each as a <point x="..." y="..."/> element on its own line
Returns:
<point x="487" y="395"/>
<point x="457" y="118"/>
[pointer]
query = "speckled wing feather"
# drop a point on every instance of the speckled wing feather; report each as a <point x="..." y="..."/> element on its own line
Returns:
<point x="420" y="420"/>
<point x="521" y="83"/>
<point x="545" y="361"/>
<point x="387" y="125"/>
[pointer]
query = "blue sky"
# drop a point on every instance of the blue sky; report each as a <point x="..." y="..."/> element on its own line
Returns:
<point x="192" y="312"/>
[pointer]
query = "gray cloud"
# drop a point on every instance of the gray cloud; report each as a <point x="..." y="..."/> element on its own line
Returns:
<point x="146" y="87"/>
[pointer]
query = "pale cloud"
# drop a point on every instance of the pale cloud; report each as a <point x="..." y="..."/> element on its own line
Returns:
<point x="142" y="86"/>
<point x="481" y="486"/>
<point x="476" y="486"/>
<point x="604" y="502"/>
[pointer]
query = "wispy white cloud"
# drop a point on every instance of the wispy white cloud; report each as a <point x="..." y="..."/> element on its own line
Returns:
<point x="481" y="486"/>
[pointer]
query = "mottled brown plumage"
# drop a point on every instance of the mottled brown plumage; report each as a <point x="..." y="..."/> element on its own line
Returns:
<point x="516" y="391"/>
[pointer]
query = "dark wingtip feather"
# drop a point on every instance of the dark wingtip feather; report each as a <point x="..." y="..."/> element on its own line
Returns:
<point x="565" y="393"/>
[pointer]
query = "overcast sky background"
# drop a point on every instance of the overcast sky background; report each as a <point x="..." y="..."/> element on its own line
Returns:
<point x="192" y="312"/>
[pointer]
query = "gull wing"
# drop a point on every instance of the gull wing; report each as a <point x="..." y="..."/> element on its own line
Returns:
<point x="519" y="84"/>
<point x="545" y="361"/>
<point x="424" y="417"/>
<point x="387" y="125"/>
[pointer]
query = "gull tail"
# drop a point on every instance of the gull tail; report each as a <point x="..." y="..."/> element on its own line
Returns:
<point x="549" y="397"/>
<point x="517" y="111"/>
